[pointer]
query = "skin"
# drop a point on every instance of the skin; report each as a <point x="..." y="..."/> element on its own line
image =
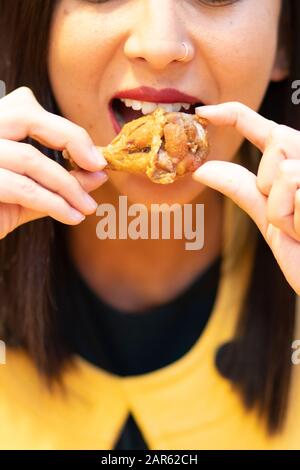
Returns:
<point x="98" y="49"/>
<point x="116" y="50"/>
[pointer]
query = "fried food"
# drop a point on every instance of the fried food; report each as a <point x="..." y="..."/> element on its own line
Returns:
<point x="162" y="145"/>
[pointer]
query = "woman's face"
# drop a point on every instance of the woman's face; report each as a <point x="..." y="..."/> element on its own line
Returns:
<point x="99" y="49"/>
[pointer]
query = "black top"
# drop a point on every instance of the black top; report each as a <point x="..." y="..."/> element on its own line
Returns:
<point x="133" y="343"/>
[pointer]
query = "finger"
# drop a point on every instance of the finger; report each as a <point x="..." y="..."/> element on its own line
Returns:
<point x="269" y="167"/>
<point x="283" y="143"/>
<point x="22" y="116"/>
<point x="247" y="122"/>
<point x="297" y="213"/>
<point x="28" y="161"/>
<point x="27" y="215"/>
<point x="90" y="180"/>
<point x="14" y="215"/>
<point x="18" y="189"/>
<point x="281" y="204"/>
<point x="237" y="183"/>
<point x="284" y="248"/>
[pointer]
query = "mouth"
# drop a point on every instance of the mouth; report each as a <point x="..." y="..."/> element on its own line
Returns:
<point x="133" y="104"/>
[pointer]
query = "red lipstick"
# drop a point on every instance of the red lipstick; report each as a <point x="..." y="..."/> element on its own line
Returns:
<point x="165" y="95"/>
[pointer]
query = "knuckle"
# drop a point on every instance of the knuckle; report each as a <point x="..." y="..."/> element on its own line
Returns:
<point x="282" y="129"/>
<point x="26" y="96"/>
<point x="272" y="217"/>
<point x="84" y="134"/>
<point x="286" y="168"/>
<point x="236" y="111"/>
<point x="19" y="97"/>
<point x="29" y="187"/>
<point x="263" y="185"/>
<point x="59" y="205"/>
<point x="280" y="149"/>
<point x="29" y="153"/>
<point x="235" y="105"/>
<point x="278" y="134"/>
<point x="3" y="176"/>
<point x="74" y="183"/>
<point x="297" y="198"/>
<point x="236" y="188"/>
<point x="76" y="130"/>
<point x="26" y="92"/>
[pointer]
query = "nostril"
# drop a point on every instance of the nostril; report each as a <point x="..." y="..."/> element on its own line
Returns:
<point x="157" y="52"/>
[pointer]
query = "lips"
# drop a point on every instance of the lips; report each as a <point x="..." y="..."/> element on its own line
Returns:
<point x="120" y="114"/>
<point x="166" y="95"/>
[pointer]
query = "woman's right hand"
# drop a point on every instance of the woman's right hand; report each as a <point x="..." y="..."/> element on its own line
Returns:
<point x="31" y="184"/>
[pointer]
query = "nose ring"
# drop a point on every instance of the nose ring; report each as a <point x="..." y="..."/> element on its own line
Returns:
<point x="186" y="52"/>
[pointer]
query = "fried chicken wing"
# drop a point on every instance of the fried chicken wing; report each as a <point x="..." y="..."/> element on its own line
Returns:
<point x="162" y="145"/>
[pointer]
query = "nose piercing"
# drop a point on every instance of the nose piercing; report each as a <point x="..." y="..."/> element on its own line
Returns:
<point x="186" y="52"/>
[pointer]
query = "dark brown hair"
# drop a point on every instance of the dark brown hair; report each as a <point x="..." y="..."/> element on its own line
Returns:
<point x="257" y="360"/>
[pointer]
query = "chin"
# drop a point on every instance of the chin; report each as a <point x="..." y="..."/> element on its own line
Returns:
<point x="140" y="189"/>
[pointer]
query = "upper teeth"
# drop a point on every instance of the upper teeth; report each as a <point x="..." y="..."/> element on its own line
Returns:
<point x="147" y="107"/>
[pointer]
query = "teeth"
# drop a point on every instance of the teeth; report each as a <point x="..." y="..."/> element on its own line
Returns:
<point x="177" y="107"/>
<point x="128" y="103"/>
<point x="136" y="105"/>
<point x="167" y="107"/>
<point x="148" y="107"/>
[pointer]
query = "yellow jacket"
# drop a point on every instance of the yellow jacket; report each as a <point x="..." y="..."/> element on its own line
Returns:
<point x="185" y="405"/>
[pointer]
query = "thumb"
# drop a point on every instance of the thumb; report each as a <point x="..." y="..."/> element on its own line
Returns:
<point x="237" y="183"/>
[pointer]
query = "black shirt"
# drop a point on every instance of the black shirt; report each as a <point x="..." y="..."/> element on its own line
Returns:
<point x="133" y="343"/>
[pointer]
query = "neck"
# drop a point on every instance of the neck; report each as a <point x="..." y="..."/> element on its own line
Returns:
<point x="133" y="275"/>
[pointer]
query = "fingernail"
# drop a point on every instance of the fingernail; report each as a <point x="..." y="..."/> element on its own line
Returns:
<point x="90" y="202"/>
<point x="98" y="157"/>
<point x="205" y="109"/>
<point x="104" y="176"/>
<point x="100" y="175"/>
<point x="196" y="174"/>
<point x="76" y="215"/>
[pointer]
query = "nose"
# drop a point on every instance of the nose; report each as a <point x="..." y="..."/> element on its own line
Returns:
<point x="158" y="36"/>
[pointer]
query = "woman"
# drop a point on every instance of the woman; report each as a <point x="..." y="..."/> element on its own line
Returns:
<point x="169" y="348"/>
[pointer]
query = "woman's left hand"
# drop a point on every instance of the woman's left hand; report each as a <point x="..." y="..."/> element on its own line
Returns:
<point x="272" y="197"/>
